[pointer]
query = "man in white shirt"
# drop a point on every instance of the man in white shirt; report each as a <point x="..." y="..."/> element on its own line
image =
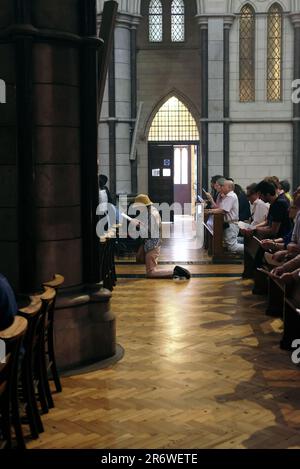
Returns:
<point x="229" y="204"/>
<point x="259" y="209"/>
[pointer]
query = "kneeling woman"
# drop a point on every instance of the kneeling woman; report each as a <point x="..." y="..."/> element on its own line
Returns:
<point x="150" y="225"/>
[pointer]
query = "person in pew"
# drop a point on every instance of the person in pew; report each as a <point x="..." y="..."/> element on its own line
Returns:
<point x="258" y="208"/>
<point x="288" y="247"/>
<point x="149" y="223"/>
<point x="8" y="304"/>
<point x="229" y="204"/>
<point x="288" y="272"/>
<point x="215" y="186"/>
<point x="285" y="187"/>
<point x="278" y="223"/>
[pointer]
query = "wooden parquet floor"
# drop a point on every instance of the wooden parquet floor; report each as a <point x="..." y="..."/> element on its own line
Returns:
<point x="202" y="369"/>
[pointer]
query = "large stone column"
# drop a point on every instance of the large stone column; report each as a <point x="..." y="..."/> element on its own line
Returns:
<point x="119" y="110"/>
<point x="203" y="171"/>
<point x="296" y="114"/>
<point x="48" y="141"/>
<point x="228" y="21"/>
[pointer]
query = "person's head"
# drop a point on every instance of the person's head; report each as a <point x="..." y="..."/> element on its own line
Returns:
<point x="238" y="189"/>
<point x="267" y="191"/>
<point x="219" y="184"/>
<point x="227" y="187"/>
<point x="275" y="181"/>
<point x="142" y="200"/>
<point x="214" y="180"/>
<point x="102" y="180"/>
<point x="252" y="193"/>
<point x="285" y="186"/>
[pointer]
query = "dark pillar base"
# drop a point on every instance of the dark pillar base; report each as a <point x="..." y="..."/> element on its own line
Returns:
<point x="85" y="328"/>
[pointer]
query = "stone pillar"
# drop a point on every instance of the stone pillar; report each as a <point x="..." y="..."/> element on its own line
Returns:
<point x="296" y="113"/>
<point x="203" y="172"/>
<point x="216" y="96"/>
<point x="133" y="76"/>
<point x="228" y="21"/>
<point x="119" y="110"/>
<point x="48" y="145"/>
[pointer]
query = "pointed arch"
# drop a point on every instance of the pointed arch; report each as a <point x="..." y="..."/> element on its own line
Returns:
<point x="155" y="21"/>
<point x="177" y="21"/>
<point x="173" y="119"/>
<point x="274" y="54"/>
<point x="247" y="53"/>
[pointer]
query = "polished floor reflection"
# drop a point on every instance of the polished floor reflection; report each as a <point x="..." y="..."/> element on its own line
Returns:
<point x="202" y="369"/>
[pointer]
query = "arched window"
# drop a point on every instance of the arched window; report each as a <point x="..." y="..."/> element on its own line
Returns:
<point x="177" y="21"/>
<point x="274" y="64"/>
<point x="173" y="122"/>
<point x="155" y="21"/>
<point x="247" y="54"/>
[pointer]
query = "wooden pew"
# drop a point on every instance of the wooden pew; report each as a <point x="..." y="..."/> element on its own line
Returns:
<point x="213" y="238"/>
<point x="284" y="302"/>
<point x="291" y="316"/>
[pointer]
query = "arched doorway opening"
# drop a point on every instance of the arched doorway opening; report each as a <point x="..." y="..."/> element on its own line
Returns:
<point x="173" y="155"/>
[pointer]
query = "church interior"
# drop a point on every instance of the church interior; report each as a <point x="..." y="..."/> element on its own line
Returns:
<point x="150" y="224"/>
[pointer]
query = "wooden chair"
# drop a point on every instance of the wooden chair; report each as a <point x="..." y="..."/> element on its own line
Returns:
<point x="9" y="408"/>
<point x="31" y="377"/>
<point x="49" y="364"/>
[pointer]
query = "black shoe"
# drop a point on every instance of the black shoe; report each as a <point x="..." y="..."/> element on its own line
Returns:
<point x="181" y="272"/>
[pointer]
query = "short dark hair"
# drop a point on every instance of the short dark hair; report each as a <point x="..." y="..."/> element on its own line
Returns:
<point x="266" y="187"/>
<point x="214" y="179"/>
<point x="285" y="185"/>
<point x="252" y="189"/>
<point x="102" y="180"/>
<point x="274" y="180"/>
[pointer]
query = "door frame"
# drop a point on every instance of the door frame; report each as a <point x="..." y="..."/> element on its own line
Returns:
<point x="174" y="143"/>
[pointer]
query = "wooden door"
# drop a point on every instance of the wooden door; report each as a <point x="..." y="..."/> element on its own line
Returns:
<point x="161" y="167"/>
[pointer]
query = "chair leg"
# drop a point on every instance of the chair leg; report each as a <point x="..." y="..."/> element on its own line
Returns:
<point x="17" y="421"/>
<point x="52" y="361"/>
<point x="35" y="422"/>
<point x="6" y="424"/>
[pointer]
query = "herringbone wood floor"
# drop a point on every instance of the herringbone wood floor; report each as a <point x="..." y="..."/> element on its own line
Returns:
<point x="202" y="369"/>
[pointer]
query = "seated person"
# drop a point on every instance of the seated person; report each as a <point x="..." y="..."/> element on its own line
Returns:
<point x="288" y="247"/>
<point x="289" y="271"/>
<point x="285" y="187"/>
<point x="228" y="203"/>
<point x="149" y="222"/>
<point x="244" y="205"/>
<point x="258" y="208"/>
<point x="8" y="305"/>
<point x="278" y="223"/>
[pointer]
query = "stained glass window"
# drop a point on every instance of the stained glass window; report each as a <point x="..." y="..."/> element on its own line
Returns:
<point x="177" y="21"/>
<point x="274" y="63"/>
<point x="247" y="54"/>
<point x="173" y="122"/>
<point x="155" y="21"/>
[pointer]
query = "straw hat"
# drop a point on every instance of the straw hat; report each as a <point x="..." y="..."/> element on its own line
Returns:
<point x="142" y="199"/>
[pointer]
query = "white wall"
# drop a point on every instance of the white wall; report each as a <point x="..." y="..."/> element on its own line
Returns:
<point x="258" y="150"/>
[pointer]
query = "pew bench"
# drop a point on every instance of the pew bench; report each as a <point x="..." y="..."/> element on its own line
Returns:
<point x="213" y="239"/>
<point x="284" y="302"/>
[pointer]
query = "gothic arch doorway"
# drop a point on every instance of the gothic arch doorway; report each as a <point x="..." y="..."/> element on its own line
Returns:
<point x="173" y="155"/>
